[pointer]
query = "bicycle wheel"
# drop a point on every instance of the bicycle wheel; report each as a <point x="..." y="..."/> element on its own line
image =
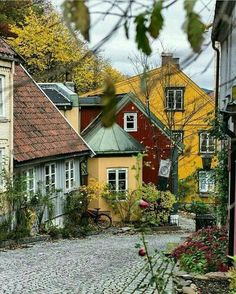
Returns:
<point x="104" y="221"/>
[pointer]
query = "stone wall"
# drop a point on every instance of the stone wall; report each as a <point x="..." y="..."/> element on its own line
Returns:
<point x="210" y="283"/>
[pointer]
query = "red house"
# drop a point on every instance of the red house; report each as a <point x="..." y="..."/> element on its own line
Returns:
<point x="136" y="119"/>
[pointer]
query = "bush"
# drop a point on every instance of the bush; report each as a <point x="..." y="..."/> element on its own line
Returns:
<point x="204" y="251"/>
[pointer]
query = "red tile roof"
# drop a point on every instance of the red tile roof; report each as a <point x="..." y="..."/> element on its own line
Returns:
<point x="39" y="128"/>
<point x="5" y="49"/>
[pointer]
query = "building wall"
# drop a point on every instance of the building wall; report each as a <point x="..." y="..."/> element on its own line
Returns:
<point x="198" y="107"/>
<point x="97" y="169"/>
<point x="6" y="121"/>
<point x="156" y="143"/>
<point x="88" y="114"/>
<point x="39" y="183"/>
<point x="73" y="116"/>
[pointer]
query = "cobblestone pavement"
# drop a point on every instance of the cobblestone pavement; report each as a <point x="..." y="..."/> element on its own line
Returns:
<point x="97" y="264"/>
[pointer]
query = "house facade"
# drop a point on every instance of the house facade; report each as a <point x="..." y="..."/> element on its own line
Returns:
<point x="7" y="68"/>
<point x="45" y="148"/>
<point x="183" y="108"/>
<point x="115" y="164"/>
<point x="224" y="43"/>
<point x="138" y="122"/>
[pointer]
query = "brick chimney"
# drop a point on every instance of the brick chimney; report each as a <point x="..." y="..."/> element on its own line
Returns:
<point x="167" y="58"/>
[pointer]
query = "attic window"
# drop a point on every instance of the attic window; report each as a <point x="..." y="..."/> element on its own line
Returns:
<point x="174" y="99"/>
<point x="130" y="122"/>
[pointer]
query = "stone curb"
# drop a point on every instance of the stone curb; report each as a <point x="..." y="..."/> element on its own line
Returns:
<point x="26" y="240"/>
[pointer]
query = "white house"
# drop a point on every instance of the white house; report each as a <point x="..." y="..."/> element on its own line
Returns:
<point x="35" y="138"/>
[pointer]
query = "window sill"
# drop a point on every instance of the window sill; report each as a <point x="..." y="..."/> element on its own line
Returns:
<point x="4" y="120"/>
<point x="205" y="194"/>
<point x="129" y="131"/>
<point x="174" y="110"/>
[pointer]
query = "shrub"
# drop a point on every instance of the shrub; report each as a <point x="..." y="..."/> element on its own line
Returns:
<point x="204" y="251"/>
<point x="127" y="205"/>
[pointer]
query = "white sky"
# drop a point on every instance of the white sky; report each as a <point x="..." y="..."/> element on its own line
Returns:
<point x="172" y="39"/>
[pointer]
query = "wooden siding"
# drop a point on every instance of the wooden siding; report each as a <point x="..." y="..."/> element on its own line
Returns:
<point x="88" y="114"/>
<point x="157" y="144"/>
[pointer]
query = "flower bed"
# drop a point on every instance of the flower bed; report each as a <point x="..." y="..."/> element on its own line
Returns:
<point x="204" y="251"/>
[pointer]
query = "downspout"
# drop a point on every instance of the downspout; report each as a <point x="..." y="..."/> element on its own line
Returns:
<point x="217" y="77"/>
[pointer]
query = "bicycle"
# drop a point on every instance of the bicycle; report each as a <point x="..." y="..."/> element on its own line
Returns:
<point x="100" y="219"/>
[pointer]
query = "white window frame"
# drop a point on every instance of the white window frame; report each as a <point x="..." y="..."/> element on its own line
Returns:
<point x="117" y="178"/>
<point x="205" y="183"/>
<point x="69" y="175"/>
<point x="208" y="145"/>
<point x="135" y="122"/>
<point x="2" y="154"/>
<point x="29" y="179"/>
<point x="50" y="185"/>
<point x="175" y="91"/>
<point x="2" y="96"/>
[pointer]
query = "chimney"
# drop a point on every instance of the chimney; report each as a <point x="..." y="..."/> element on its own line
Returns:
<point x="167" y="58"/>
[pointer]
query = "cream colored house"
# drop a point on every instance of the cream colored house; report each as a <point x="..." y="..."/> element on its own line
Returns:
<point x="7" y="68"/>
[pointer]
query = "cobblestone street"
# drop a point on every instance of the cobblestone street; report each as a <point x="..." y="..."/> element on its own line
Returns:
<point x="97" y="264"/>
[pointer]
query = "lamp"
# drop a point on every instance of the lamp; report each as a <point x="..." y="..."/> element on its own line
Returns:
<point x="206" y="161"/>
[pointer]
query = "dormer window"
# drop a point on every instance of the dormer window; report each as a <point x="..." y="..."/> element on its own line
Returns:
<point x="2" y="112"/>
<point x="130" y="122"/>
<point x="174" y="99"/>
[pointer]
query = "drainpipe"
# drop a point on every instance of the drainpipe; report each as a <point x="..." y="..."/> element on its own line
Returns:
<point x="217" y="77"/>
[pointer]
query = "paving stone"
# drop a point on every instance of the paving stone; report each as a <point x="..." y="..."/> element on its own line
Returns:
<point x="95" y="265"/>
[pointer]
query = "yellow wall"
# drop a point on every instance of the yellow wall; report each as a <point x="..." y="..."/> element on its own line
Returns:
<point x="97" y="169"/>
<point x="197" y="106"/>
<point x="72" y="115"/>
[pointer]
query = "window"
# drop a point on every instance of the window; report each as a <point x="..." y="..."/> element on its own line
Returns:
<point x="69" y="174"/>
<point x="130" y="122"/>
<point x="117" y="179"/>
<point x="178" y="136"/>
<point x="1" y="166"/>
<point x="206" y="181"/>
<point x="50" y="177"/>
<point x="175" y="99"/>
<point x="29" y="179"/>
<point x="207" y="143"/>
<point x="2" y="112"/>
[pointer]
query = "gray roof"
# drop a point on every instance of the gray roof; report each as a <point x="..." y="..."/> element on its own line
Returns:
<point x="222" y="24"/>
<point x="95" y="100"/>
<point x="56" y="97"/>
<point x="113" y="140"/>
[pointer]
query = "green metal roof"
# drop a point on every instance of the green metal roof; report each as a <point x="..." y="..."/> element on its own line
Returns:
<point x="113" y="140"/>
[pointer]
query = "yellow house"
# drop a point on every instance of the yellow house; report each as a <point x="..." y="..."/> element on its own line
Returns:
<point x="186" y="110"/>
<point x="115" y="162"/>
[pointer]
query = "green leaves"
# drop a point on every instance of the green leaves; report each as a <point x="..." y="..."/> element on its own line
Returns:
<point x="77" y="13"/>
<point x="157" y="20"/>
<point x="193" y="26"/>
<point x="143" y="30"/>
<point x="109" y="102"/>
<point x="141" y="34"/>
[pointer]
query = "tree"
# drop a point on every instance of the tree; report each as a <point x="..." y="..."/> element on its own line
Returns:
<point x="53" y="55"/>
<point x="14" y="12"/>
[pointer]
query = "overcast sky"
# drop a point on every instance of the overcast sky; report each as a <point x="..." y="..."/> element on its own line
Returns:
<point x="118" y="49"/>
